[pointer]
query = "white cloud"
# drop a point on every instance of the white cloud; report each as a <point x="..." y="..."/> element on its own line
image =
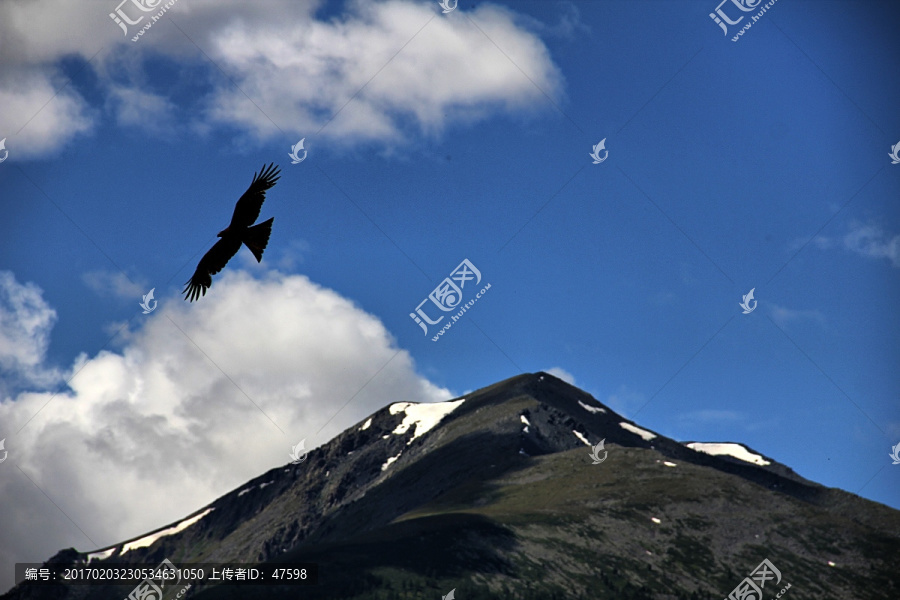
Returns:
<point x="138" y="108"/>
<point x="561" y="374"/>
<point x="569" y="24"/>
<point x="870" y="240"/>
<point x="184" y="412"/>
<point x="293" y="254"/>
<point x="40" y="115"/>
<point x="106" y="283"/>
<point x="25" y="324"/>
<point x="783" y="315"/>
<point x="448" y="71"/>
<point x="387" y="70"/>
<point x="865" y="239"/>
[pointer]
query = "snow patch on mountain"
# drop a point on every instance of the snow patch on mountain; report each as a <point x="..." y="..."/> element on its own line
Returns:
<point x="728" y="449"/>
<point x="591" y="409"/>
<point x="389" y="461"/>
<point x="148" y="540"/>
<point x="637" y="430"/>
<point x="581" y="437"/>
<point x="366" y="424"/>
<point x="102" y="555"/>
<point x="424" y="415"/>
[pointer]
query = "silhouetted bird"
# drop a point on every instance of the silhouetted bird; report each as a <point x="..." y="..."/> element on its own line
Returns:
<point x="238" y="232"/>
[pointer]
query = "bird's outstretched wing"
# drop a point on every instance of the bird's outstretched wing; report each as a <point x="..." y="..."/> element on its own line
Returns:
<point x="246" y="211"/>
<point x="211" y="263"/>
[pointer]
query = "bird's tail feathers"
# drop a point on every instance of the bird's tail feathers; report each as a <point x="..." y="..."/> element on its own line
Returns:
<point x="257" y="238"/>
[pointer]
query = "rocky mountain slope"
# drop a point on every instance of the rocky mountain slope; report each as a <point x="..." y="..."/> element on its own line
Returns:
<point x="496" y="495"/>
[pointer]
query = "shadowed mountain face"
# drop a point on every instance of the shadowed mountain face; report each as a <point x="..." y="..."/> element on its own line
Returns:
<point x="497" y="496"/>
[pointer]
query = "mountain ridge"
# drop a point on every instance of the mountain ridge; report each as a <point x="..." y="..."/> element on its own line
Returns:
<point x="501" y="465"/>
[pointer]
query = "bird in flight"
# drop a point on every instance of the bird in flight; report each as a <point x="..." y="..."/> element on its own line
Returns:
<point x="240" y="231"/>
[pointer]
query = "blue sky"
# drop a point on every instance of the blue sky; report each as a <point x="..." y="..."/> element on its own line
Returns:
<point x="433" y="138"/>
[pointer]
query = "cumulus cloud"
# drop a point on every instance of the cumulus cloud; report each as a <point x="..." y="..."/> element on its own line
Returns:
<point x="395" y="60"/>
<point x="25" y="324"/>
<point x="39" y="113"/>
<point x="200" y="398"/>
<point x="379" y="72"/>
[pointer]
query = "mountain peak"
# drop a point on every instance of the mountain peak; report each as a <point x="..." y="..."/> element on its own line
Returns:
<point x="473" y="492"/>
